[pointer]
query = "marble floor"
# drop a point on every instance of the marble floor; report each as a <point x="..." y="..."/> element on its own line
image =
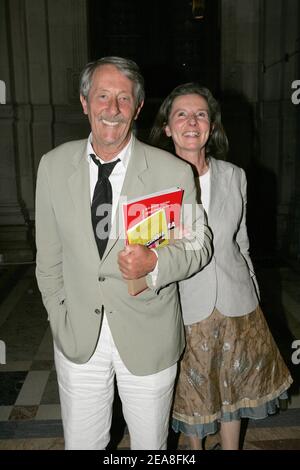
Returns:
<point x="29" y="402"/>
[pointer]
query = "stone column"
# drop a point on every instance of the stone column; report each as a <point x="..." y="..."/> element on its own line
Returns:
<point x="295" y="248"/>
<point x="43" y="45"/>
<point x="259" y="38"/>
<point x="67" y="20"/>
<point x="279" y="130"/>
<point x="239" y="71"/>
<point x="13" y="215"/>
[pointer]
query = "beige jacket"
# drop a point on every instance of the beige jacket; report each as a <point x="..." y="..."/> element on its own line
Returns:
<point x="228" y="282"/>
<point x="75" y="283"/>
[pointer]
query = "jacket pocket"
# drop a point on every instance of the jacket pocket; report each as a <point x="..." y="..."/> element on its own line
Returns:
<point x="57" y="311"/>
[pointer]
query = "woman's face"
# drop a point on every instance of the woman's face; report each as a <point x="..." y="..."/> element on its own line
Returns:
<point x="189" y="124"/>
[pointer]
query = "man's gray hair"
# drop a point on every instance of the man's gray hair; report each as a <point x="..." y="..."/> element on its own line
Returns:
<point x="126" y="66"/>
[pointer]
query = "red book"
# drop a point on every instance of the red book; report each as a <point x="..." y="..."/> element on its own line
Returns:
<point x="152" y="220"/>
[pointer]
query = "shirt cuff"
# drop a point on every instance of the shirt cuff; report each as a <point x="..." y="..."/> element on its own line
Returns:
<point x="154" y="273"/>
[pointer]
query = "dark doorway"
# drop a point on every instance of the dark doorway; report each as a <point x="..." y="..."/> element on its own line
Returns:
<point x="163" y="37"/>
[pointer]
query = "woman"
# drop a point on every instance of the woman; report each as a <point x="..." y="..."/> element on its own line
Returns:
<point x="231" y="367"/>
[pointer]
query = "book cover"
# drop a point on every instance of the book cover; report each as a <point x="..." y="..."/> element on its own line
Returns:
<point x="152" y="220"/>
<point x="151" y="231"/>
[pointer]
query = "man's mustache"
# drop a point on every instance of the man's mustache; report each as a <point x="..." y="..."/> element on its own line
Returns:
<point x="116" y="119"/>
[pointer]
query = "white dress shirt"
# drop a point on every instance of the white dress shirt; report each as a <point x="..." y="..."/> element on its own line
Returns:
<point x="204" y="182"/>
<point x="116" y="177"/>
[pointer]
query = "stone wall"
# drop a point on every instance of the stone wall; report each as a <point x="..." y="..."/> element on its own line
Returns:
<point x="260" y="60"/>
<point x="43" y="46"/>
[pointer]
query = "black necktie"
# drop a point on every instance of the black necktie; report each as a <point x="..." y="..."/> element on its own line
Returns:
<point x="102" y="204"/>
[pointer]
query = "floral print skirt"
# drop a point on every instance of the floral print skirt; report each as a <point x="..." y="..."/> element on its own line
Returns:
<point x="231" y="368"/>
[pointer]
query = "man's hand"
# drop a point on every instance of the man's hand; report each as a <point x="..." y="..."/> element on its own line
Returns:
<point x="136" y="261"/>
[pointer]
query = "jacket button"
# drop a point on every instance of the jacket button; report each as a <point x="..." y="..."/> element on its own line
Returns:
<point x="101" y="279"/>
<point x="97" y="311"/>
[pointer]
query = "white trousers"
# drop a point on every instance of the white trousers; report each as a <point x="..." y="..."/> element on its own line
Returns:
<point x="87" y="392"/>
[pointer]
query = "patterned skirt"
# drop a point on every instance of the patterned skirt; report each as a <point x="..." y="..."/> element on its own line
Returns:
<point x="231" y="369"/>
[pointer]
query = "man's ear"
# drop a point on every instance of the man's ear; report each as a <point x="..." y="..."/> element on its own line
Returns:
<point x="138" y="110"/>
<point x="84" y="104"/>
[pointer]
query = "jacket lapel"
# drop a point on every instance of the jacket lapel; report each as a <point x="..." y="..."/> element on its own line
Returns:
<point x="219" y="189"/>
<point x="79" y="187"/>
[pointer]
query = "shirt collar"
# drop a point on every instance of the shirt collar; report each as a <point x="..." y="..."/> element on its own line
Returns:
<point x="124" y="155"/>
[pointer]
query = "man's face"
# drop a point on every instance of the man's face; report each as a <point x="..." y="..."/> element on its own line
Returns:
<point x="111" y="109"/>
